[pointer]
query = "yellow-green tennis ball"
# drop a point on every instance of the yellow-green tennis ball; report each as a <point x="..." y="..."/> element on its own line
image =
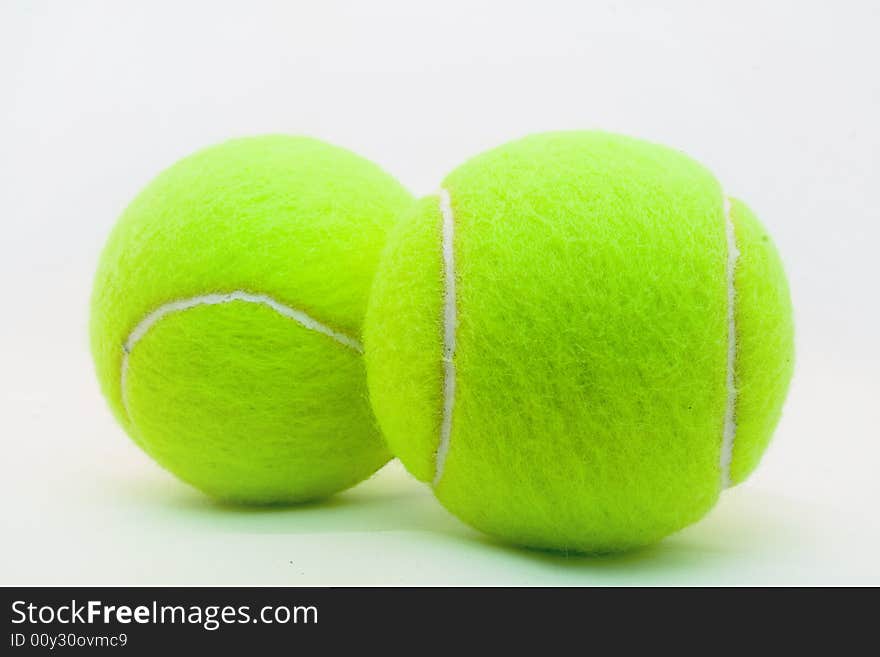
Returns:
<point x="580" y="341"/>
<point x="227" y="311"/>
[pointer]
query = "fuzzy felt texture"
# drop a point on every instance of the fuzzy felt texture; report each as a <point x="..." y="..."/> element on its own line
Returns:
<point x="235" y="398"/>
<point x="765" y="341"/>
<point x="591" y="342"/>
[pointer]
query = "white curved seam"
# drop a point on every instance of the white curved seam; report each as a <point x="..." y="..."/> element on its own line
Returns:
<point x="449" y="328"/>
<point x="729" y="433"/>
<point x="180" y="305"/>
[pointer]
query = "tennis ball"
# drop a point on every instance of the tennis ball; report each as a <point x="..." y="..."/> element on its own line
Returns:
<point x="227" y="311"/>
<point x="580" y="341"/>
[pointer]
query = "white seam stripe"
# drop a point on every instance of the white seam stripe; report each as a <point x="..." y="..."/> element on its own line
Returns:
<point x="449" y="327"/>
<point x="729" y="434"/>
<point x="219" y="298"/>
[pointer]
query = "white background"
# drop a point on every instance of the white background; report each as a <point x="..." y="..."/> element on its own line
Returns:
<point x="781" y="100"/>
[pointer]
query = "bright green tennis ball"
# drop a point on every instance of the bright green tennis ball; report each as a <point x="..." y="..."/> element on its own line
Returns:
<point x="227" y="312"/>
<point x="580" y="341"/>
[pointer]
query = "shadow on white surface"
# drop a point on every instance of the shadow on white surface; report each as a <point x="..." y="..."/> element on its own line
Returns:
<point x="389" y="501"/>
<point x="393" y="528"/>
